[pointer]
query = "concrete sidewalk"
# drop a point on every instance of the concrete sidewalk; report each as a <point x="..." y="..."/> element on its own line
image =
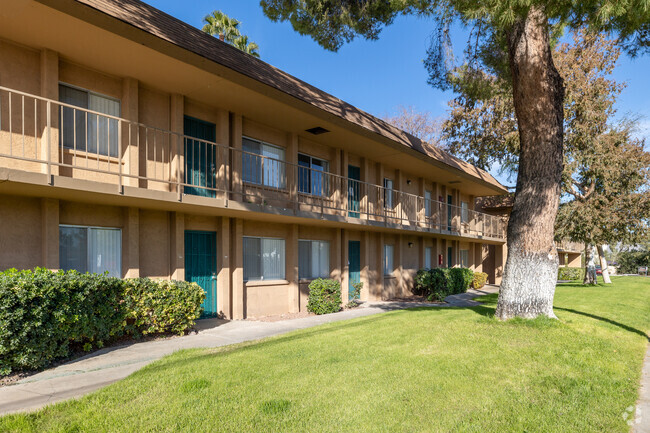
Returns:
<point x="103" y="367"/>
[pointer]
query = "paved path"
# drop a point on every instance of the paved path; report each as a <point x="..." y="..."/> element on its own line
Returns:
<point x="641" y="422"/>
<point x="103" y="367"/>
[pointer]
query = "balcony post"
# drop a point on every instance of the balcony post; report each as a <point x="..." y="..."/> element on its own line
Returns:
<point x="400" y="197"/>
<point x="363" y="189"/>
<point x="345" y="188"/>
<point x="50" y="89"/>
<point x="176" y="122"/>
<point x="291" y="170"/>
<point x="223" y="161"/>
<point x="236" y="167"/>
<point x="129" y="133"/>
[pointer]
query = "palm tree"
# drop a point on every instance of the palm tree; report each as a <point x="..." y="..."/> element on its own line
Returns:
<point x="243" y="44"/>
<point x="220" y="24"/>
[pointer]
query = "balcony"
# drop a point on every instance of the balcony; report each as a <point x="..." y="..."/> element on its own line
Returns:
<point x="59" y="140"/>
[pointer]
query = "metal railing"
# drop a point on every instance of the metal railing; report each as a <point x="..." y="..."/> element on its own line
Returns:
<point x="47" y="136"/>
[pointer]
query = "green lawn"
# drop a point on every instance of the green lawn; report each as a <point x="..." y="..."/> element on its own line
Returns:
<point x="407" y="371"/>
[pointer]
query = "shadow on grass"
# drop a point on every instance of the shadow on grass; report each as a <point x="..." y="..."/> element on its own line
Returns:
<point x="604" y="319"/>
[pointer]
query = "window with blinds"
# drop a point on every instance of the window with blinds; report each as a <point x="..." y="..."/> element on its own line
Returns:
<point x="314" y="259"/>
<point x="91" y="249"/>
<point x="311" y="175"/>
<point x="427" y="257"/>
<point x="90" y="132"/>
<point x="264" y="259"/>
<point x="263" y="163"/>
<point x="464" y="258"/>
<point x="388" y="260"/>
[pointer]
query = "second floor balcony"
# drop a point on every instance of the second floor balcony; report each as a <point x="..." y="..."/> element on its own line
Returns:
<point x="94" y="144"/>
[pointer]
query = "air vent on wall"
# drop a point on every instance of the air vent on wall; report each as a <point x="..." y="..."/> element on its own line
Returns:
<point x="454" y="181"/>
<point x="317" y="130"/>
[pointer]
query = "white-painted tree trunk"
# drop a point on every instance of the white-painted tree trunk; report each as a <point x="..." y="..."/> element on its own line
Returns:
<point x="590" y="266"/>
<point x="603" y="265"/>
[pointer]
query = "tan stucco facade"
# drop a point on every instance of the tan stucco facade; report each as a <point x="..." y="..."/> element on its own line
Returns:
<point x="142" y="189"/>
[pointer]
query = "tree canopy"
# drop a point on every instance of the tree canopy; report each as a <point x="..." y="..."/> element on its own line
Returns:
<point x="226" y="29"/>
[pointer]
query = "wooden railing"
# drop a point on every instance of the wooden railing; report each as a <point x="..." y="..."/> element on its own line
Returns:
<point x="47" y="136"/>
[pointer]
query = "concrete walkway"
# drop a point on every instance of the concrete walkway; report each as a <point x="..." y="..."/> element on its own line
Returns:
<point x="103" y="367"/>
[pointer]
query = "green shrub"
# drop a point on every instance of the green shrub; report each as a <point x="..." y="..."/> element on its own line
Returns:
<point x="422" y="283"/>
<point x="480" y="278"/>
<point x="161" y="306"/>
<point x="46" y="315"/>
<point x="459" y="280"/>
<point x="564" y="273"/>
<point x="43" y="313"/>
<point x="324" y="296"/>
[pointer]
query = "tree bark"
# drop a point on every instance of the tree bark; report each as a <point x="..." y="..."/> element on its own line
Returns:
<point x="590" y="266"/>
<point x="603" y="265"/>
<point x="530" y="274"/>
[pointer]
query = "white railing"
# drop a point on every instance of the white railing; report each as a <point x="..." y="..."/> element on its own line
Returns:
<point x="47" y="136"/>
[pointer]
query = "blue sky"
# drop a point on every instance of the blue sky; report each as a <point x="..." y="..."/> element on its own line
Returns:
<point x="376" y="76"/>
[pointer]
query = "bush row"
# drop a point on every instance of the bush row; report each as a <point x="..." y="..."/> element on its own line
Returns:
<point x="564" y="273"/>
<point x="436" y="284"/>
<point x="45" y="315"/>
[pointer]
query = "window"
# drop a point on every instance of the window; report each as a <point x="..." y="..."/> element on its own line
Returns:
<point x="388" y="260"/>
<point x="427" y="257"/>
<point x="388" y="193"/>
<point x="81" y="130"/>
<point x="427" y="204"/>
<point x="91" y="249"/>
<point x="311" y="177"/>
<point x="314" y="259"/>
<point x="263" y="163"/>
<point x="464" y="258"/>
<point x="464" y="211"/>
<point x="263" y="259"/>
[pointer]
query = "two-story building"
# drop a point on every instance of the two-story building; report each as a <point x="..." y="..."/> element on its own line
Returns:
<point x="135" y="144"/>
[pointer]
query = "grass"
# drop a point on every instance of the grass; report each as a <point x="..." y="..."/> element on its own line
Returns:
<point x="424" y="370"/>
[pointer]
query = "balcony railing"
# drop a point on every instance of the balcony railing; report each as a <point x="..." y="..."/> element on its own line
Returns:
<point x="47" y="136"/>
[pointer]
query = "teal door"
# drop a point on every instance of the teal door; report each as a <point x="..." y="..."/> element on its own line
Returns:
<point x="354" y="265"/>
<point x="449" y="214"/>
<point x="200" y="157"/>
<point x="354" y="190"/>
<point x="450" y="256"/>
<point x="201" y="266"/>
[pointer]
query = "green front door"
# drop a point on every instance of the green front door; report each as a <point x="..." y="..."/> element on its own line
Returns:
<point x="354" y="265"/>
<point x="200" y="157"/>
<point x="201" y="266"/>
<point x="354" y="190"/>
<point x="450" y="256"/>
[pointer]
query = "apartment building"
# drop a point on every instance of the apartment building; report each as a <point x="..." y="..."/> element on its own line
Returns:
<point x="134" y="144"/>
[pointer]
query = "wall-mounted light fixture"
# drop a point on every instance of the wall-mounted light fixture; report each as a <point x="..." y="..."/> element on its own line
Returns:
<point x="408" y="181"/>
<point x="410" y="244"/>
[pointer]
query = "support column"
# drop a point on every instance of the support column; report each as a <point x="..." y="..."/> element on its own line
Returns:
<point x="237" y="269"/>
<point x="50" y="233"/>
<point x="345" y="188"/>
<point x="236" y="179"/>
<point x="223" y="164"/>
<point x="131" y="243"/>
<point x="363" y="188"/>
<point x="421" y="209"/>
<point x="130" y="132"/>
<point x="177" y="108"/>
<point x="380" y="291"/>
<point x="365" y="266"/>
<point x="345" y="266"/>
<point x="49" y="150"/>
<point x="177" y="247"/>
<point x="224" y="302"/>
<point x="292" y="269"/>
<point x="380" y="196"/>
<point x="399" y="255"/>
<point x="400" y="206"/>
<point x="291" y="169"/>
<point x="337" y="252"/>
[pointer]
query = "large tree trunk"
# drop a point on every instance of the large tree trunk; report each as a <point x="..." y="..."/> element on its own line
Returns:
<point x="530" y="274"/>
<point x="603" y="265"/>
<point x="590" y="266"/>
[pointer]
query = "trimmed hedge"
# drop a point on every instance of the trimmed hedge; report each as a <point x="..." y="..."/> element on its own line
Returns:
<point x="480" y="279"/>
<point x="436" y="284"/>
<point x="564" y="273"/>
<point x="324" y="296"/>
<point x="45" y="315"/>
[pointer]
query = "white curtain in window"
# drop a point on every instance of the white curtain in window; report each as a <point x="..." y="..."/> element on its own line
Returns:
<point x="273" y="267"/>
<point x="104" y="251"/>
<point x="274" y="171"/>
<point x="324" y="259"/>
<point x="252" y="259"/>
<point x="464" y="258"/>
<point x="314" y="259"/>
<point x="102" y="131"/>
<point x="464" y="207"/>
<point x="427" y="203"/>
<point x="427" y="258"/>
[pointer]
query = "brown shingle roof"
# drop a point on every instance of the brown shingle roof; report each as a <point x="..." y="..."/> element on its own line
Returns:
<point x="170" y="29"/>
